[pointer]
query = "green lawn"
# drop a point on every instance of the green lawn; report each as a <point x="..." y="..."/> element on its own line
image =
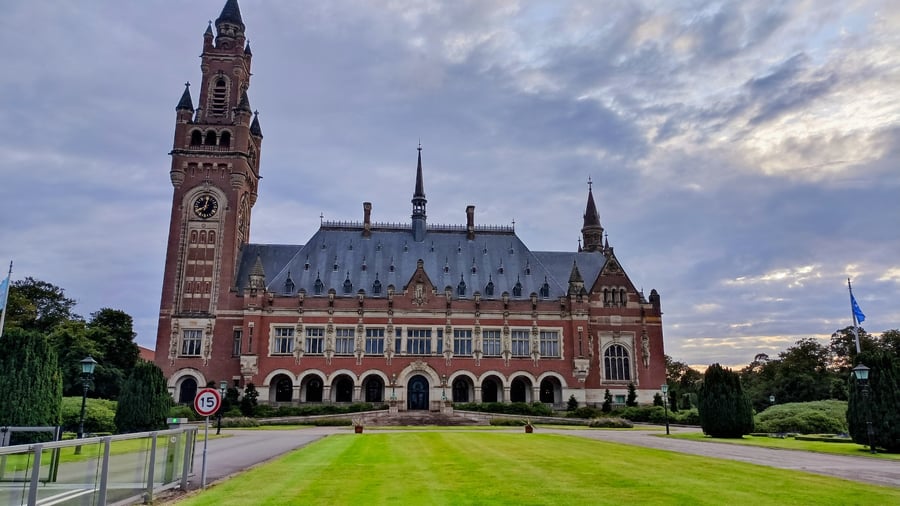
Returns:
<point x="518" y="469"/>
<point x="790" y="443"/>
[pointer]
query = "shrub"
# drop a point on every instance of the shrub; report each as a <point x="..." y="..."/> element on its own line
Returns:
<point x="611" y="423"/>
<point x="572" y="403"/>
<point x="30" y="382"/>
<point x="249" y="400"/>
<point x="725" y="410"/>
<point x="882" y="405"/>
<point x="332" y="422"/>
<point x="515" y="408"/>
<point x="182" y="411"/>
<point x="815" y="417"/>
<point x="657" y="399"/>
<point x="99" y="415"/>
<point x="607" y="402"/>
<point x="239" y="421"/>
<point x="584" y="412"/>
<point x="507" y="422"/>
<point x="631" y="400"/>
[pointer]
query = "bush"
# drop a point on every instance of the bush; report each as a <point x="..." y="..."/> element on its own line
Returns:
<point x="572" y="403"/>
<point x="585" y="412"/>
<point x="507" y="422"/>
<point x="515" y="408"/>
<point x="631" y="400"/>
<point x="182" y="411"/>
<point x="607" y="402"/>
<point x="882" y="405"/>
<point x="30" y="382"/>
<point x="725" y="409"/>
<point x="657" y="399"/>
<point x="249" y="401"/>
<point x="99" y="415"/>
<point x="815" y="417"/>
<point x="611" y="423"/>
<point x="144" y="400"/>
<point x="239" y="421"/>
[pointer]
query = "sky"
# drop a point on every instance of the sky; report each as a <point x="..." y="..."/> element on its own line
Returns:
<point x="744" y="154"/>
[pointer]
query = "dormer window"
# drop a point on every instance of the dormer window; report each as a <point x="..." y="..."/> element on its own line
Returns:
<point x="545" y="289"/>
<point x="461" y="287"/>
<point x="376" y="286"/>
<point x="288" y="285"/>
<point x="318" y="286"/>
<point x="517" y="290"/>
<point x="335" y="266"/>
<point x="348" y="286"/>
<point x="489" y="289"/>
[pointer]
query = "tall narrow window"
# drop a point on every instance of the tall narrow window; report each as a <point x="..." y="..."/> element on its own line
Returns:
<point x="616" y="364"/>
<point x="418" y="341"/>
<point x="191" y="342"/>
<point x="236" y="342"/>
<point x="225" y="139"/>
<point x="196" y="138"/>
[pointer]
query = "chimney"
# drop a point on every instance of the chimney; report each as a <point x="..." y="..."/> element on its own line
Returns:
<point x="367" y="219"/>
<point x="470" y="223"/>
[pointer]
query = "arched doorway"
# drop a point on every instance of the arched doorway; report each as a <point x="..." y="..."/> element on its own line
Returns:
<point x="187" y="391"/>
<point x="489" y="389"/>
<point x="284" y="388"/>
<point x="460" y="390"/>
<point x="374" y="388"/>
<point x="343" y="389"/>
<point x="314" y="390"/>
<point x="518" y="390"/>
<point x="418" y="393"/>
<point x="551" y="392"/>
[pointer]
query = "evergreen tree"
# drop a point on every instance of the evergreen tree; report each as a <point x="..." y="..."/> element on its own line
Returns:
<point x="657" y="399"/>
<point x="725" y="410"/>
<point x="631" y="400"/>
<point x="30" y="381"/>
<point x="248" y="401"/>
<point x="145" y="401"/>
<point x="607" y="402"/>
<point x="572" y="404"/>
<point x="882" y="404"/>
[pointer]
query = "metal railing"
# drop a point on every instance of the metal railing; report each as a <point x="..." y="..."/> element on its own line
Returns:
<point x="121" y="469"/>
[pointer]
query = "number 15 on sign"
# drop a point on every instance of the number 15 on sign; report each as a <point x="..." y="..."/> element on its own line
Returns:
<point x="206" y="403"/>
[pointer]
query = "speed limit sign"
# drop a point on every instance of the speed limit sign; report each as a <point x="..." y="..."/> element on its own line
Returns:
<point x="207" y="401"/>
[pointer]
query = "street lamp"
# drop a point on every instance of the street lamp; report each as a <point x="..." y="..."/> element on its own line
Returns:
<point x="393" y="385"/>
<point x="861" y="373"/>
<point x="772" y="400"/>
<point x="223" y="387"/>
<point x="665" y="390"/>
<point x="444" y="388"/>
<point x="87" y="374"/>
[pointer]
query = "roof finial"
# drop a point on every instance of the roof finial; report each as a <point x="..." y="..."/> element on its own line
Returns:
<point x="590" y="184"/>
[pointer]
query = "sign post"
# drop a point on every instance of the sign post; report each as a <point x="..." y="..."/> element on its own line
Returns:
<point x="206" y="403"/>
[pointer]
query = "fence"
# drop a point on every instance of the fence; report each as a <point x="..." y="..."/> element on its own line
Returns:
<point x="121" y="469"/>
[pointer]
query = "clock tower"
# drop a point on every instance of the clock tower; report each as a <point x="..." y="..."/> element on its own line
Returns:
<point x="215" y="174"/>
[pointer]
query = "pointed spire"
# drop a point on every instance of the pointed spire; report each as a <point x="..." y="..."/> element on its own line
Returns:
<point x="418" y="202"/>
<point x="247" y="50"/>
<point x="231" y="13"/>
<point x="209" y="30"/>
<point x="254" y="127"/>
<point x="420" y="185"/>
<point x="258" y="275"/>
<point x="185" y="104"/>
<point x="592" y="231"/>
<point x="575" y="276"/>
<point x="244" y="104"/>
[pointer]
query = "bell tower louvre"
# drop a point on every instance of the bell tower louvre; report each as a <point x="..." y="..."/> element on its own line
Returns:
<point x="365" y="311"/>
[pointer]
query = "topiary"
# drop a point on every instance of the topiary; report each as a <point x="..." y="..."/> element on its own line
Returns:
<point x="144" y="400"/>
<point x="725" y="410"/>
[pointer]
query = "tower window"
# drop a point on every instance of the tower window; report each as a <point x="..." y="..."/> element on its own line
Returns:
<point x="196" y="138"/>
<point x="219" y="103"/>
<point x="210" y="138"/>
<point x="225" y="139"/>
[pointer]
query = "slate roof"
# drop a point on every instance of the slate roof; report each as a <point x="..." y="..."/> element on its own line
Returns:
<point x="231" y="13"/>
<point x="448" y="258"/>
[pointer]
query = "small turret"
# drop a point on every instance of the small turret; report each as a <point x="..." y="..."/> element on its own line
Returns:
<point x="576" y="282"/>
<point x="257" y="275"/>
<point x="254" y="127"/>
<point x="418" y="202"/>
<point x="185" y="106"/>
<point x="592" y="231"/>
<point x="230" y="25"/>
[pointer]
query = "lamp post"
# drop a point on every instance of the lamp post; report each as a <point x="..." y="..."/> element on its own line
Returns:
<point x="861" y="373"/>
<point x="223" y="387"/>
<point x="444" y="388"/>
<point x="393" y="385"/>
<point x="665" y="390"/>
<point x="772" y="400"/>
<point x="87" y="374"/>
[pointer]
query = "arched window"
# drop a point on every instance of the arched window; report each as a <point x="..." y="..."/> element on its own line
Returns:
<point x="203" y="237"/>
<point x="489" y="289"/>
<point x="517" y="290"/>
<point x="187" y="391"/>
<point x="460" y="390"/>
<point x="606" y="297"/>
<point x="461" y="287"/>
<point x="376" y="286"/>
<point x="211" y="238"/>
<point x="210" y="138"/>
<point x="219" y="102"/>
<point x="225" y="139"/>
<point x="288" y="285"/>
<point x="193" y="237"/>
<point x="196" y="138"/>
<point x="314" y="390"/>
<point x="318" y="286"/>
<point x="616" y="364"/>
<point x="348" y="286"/>
<point x="623" y="298"/>
<point x="545" y="289"/>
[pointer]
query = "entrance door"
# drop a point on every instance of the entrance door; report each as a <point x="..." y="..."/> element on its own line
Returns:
<point x="418" y="393"/>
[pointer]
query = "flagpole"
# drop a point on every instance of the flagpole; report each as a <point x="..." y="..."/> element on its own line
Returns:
<point x="853" y="315"/>
<point x="5" y="298"/>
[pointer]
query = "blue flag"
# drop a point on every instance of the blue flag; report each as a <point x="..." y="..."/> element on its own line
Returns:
<point x="4" y="292"/>
<point x="857" y="312"/>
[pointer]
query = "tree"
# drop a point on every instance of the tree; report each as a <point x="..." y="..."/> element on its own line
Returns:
<point x="30" y="380"/>
<point x="145" y="400"/>
<point x="38" y="305"/>
<point x="657" y="399"/>
<point x="631" y="400"/>
<point x="248" y="401"/>
<point x="725" y="409"/>
<point x="607" y="402"/>
<point x="572" y="403"/>
<point x="882" y="404"/>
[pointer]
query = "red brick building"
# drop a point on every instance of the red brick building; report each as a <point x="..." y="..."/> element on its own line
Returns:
<point x="369" y="311"/>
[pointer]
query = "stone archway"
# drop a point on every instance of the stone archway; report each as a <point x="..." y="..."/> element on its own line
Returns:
<point x="373" y="387"/>
<point x="417" y="397"/>
<point x="551" y="391"/>
<point x="187" y="390"/>
<point x="343" y="389"/>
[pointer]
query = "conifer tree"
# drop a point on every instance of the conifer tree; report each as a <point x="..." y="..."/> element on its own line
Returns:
<point x="725" y="410"/>
<point x="631" y="400"/>
<point x="607" y="402"/>
<point x="30" y="381"/>
<point x="248" y="401"/>
<point x="144" y="401"/>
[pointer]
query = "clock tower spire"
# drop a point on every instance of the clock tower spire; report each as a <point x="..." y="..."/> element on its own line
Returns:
<point x="215" y="175"/>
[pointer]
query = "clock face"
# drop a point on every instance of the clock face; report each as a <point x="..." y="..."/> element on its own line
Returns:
<point x="205" y="206"/>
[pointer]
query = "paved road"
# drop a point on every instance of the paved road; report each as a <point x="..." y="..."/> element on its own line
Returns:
<point x="246" y="448"/>
<point x="864" y="469"/>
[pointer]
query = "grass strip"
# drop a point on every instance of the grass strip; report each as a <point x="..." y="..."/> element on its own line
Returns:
<point x="462" y="468"/>
<point x="851" y="449"/>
